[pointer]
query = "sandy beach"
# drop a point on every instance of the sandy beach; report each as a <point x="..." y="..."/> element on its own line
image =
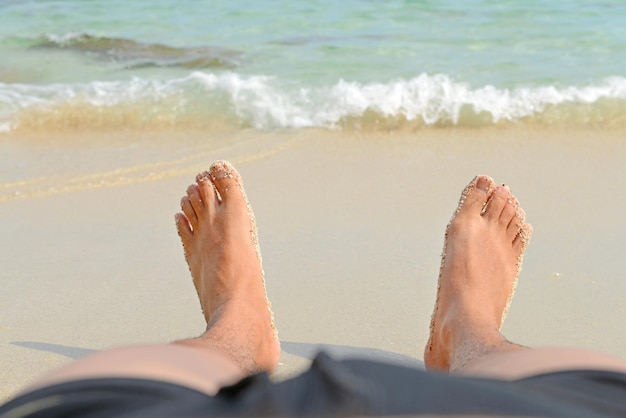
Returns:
<point x="351" y="229"/>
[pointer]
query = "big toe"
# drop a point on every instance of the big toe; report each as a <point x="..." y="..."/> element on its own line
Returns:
<point x="226" y="180"/>
<point x="476" y="195"/>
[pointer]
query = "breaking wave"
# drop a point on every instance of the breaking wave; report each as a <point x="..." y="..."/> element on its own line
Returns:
<point x="205" y="100"/>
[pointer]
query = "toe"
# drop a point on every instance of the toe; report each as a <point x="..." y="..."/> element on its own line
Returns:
<point x="188" y="210"/>
<point x="206" y="189"/>
<point x="183" y="227"/>
<point x="516" y="222"/>
<point x="475" y="195"/>
<point x="497" y="203"/>
<point x="193" y="193"/>
<point x="522" y="239"/>
<point x="508" y="211"/>
<point x="226" y="180"/>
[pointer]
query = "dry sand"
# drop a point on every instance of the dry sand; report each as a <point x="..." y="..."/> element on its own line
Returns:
<point x="351" y="229"/>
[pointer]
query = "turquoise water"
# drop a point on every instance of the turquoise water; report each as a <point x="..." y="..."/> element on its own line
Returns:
<point x="291" y="64"/>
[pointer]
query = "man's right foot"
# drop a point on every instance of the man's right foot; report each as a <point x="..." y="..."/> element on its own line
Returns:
<point x="219" y="237"/>
<point x="484" y="246"/>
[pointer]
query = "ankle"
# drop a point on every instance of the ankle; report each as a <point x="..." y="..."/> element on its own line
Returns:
<point x="459" y="336"/>
<point x="470" y="342"/>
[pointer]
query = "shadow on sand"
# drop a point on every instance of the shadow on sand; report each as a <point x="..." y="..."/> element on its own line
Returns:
<point x="64" y="350"/>
<point x="304" y="350"/>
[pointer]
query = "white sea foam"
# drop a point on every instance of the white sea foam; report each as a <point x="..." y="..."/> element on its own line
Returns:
<point x="434" y="99"/>
<point x="63" y="38"/>
<point x="265" y="102"/>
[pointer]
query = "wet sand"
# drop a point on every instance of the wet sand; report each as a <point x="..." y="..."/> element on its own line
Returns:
<point x="350" y="226"/>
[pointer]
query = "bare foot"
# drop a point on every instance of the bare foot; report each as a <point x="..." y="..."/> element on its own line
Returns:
<point x="219" y="236"/>
<point x="481" y="261"/>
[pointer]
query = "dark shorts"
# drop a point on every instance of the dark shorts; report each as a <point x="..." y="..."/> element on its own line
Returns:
<point x="336" y="388"/>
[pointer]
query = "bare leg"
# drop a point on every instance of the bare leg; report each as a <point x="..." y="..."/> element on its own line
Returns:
<point x="219" y="237"/>
<point x="483" y="251"/>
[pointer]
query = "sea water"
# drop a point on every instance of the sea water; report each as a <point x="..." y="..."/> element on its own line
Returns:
<point x="354" y="64"/>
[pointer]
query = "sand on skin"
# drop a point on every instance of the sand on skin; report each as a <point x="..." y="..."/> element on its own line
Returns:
<point x="350" y="226"/>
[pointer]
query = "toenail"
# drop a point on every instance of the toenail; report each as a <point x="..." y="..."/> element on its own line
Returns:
<point x="482" y="184"/>
<point x="223" y="175"/>
<point x="204" y="176"/>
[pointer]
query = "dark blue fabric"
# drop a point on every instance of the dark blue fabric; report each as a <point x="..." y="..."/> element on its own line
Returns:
<point x="336" y="388"/>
